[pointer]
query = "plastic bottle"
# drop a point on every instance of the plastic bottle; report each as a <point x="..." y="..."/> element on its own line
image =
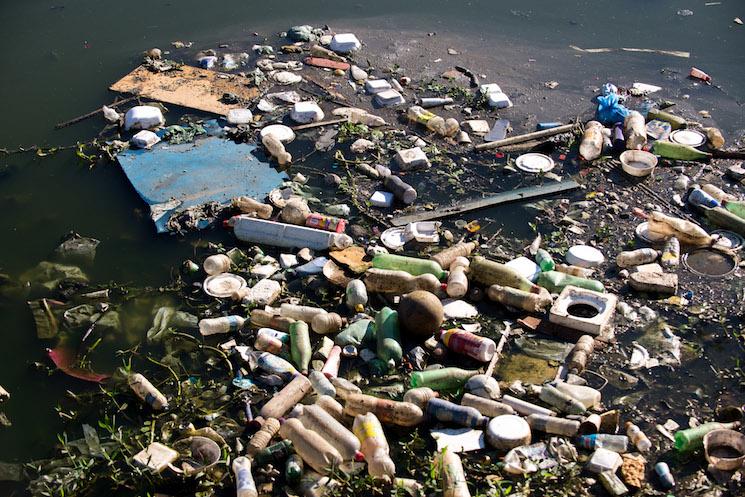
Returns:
<point x="261" y="231"/>
<point x="587" y="396"/>
<point x="466" y="343"/>
<point x="615" y="443"/>
<point x="275" y="454"/>
<point x="247" y="205"/>
<point x="693" y="438"/>
<point x="448" y="412"/>
<point x="490" y="273"/>
<point x="321" y="384"/>
<point x="276" y="334"/>
<point x="512" y="297"/>
<point x="388" y="336"/>
<point x="387" y="411"/>
<point x="331" y="406"/>
<point x="217" y="264"/>
<point x="333" y="362"/>
<point x="554" y="397"/>
<point x="591" y="145"/>
<point x="300" y="312"/>
<point x="420" y="396"/>
<point x="487" y="407"/>
<point x="525" y="408"/>
<point x="317" y="419"/>
<point x="276" y="149"/>
<point x="374" y="446"/>
<point x="145" y="390"/>
<point x="718" y="194"/>
<point x="356" y="295"/>
<point x="677" y="151"/>
<point x="261" y="438"/>
<point x="273" y="364"/>
<point x="312" y="447"/>
<point x="399" y="282"/>
<point x="671" y="254"/>
<point x="637" y="437"/>
<point x="300" y="348"/>
<point x="636" y="257"/>
<point x="324" y="324"/>
<point x="294" y="469"/>
<point x="451" y="471"/>
<point x="433" y="122"/>
<point x="448" y="256"/>
<point x="287" y="398"/>
<point x="324" y="222"/>
<point x="268" y="343"/>
<point x="554" y="282"/>
<point x="263" y="319"/>
<point x="735" y="207"/>
<point x="544" y="260"/>
<point x="404" y="192"/>
<point x="635" y="130"/>
<point x="723" y="218"/>
<point x="700" y="198"/>
<point x="244" y="480"/>
<point x="553" y="425"/>
<point x="411" y="265"/>
<point x="582" y="272"/>
<point x="223" y="324"/>
<point x="357" y="333"/>
<point x="344" y="387"/>
<point x="666" y="477"/>
<point x="618" y="141"/>
<point x="581" y="354"/>
<point x="441" y="379"/>
<point x="676" y="122"/>
<point x="457" y="286"/>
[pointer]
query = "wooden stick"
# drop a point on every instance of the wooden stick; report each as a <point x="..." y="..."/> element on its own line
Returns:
<point x="320" y="123"/>
<point x="93" y="113"/>
<point x="526" y="137"/>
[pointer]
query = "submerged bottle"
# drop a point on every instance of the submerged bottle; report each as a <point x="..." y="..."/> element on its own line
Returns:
<point x="466" y="343"/>
<point x="244" y="480"/>
<point x="223" y="324"/>
<point x="387" y="411"/>
<point x="448" y="412"/>
<point x="441" y="379"/>
<point x="217" y="264"/>
<point x="554" y="282"/>
<point x="637" y="437"/>
<point x="512" y="297"/>
<point x="317" y="419"/>
<point x="261" y="438"/>
<point x="399" y="282"/>
<point x="448" y="256"/>
<point x="374" y="446"/>
<point x="544" y="260"/>
<point x="450" y="469"/>
<point x="587" y="396"/>
<point x="388" y="336"/>
<point x="411" y="265"/>
<point x="286" y="398"/>
<point x="693" y="438"/>
<point x="591" y="145"/>
<point x="145" y="390"/>
<point x="312" y="447"/>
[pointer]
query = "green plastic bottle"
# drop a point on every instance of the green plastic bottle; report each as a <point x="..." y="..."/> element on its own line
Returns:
<point x="411" y="265"/>
<point x="441" y="379"/>
<point x="388" y="336"/>
<point x="544" y="260"/>
<point x="670" y="150"/>
<point x="357" y="333"/>
<point x="490" y="273"/>
<point x="293" y="470"/>
<point x="274" y="454"/>
<point x="693" y="438"/>
<point x="676" y="122"/>
<point x="725" y="218"/>
<point x="554" y="282"/>
<point x="737" y="207"/>
<point x="300" y="349"/>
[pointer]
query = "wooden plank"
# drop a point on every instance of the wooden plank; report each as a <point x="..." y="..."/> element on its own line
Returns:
<point x="188" y="86"/>
<point x="490" y="201"/>
<point x="526" y="137"/>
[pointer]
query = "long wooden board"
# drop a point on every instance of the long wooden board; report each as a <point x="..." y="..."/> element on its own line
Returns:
<point x="190" y="87"/>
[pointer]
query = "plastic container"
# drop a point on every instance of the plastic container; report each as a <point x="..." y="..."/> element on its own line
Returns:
<point x="300" y="312"/>
<point x="411" y="265"/>
<point x="286" y="398"/>
<point x="399" y="282"/>
<point x="483" y="385"/>
<point x="344" y="43"/>
<point x="441" y="379"/>
<point x="224" y="324"/>
<point x="273" y="364"/>
<point x="457" y="286"/>
<point x="244" y="480"/>
<point x="252" y="230"/>
<point x="553" y="425"/>
<point x="487" y="407"/>
<point x="582" y="272"/>
<point x="466" y="343"/>
<point x="638" y="162"/>
<point x="603" y="460"/>
<point x="584" y="256"/>
<point x="144" y="139"/>
<point x="719" y="194"/>
<point x="663" y="473"/>
<point x="615" y="443"/>
<point x="333" y="362"/>
<point x="512" y="297"/>
<point x="374" y="446"/>
<point x="448" y="412"/>
<point x="388" y="336"/>
<point x="261" y="438"/>
<point x="725" y="449"/>
<point x="591" y="145"/>
<point x="317" y="419"/>
<point x="451" y="472"/>
<point x="420" y="396"/>
<point x="275" y="454"/>
<point x="356" y="295"/>
<point x="676" y="122"/>
<point x="554" y="282"/>
<point x="565" y="403"/>
<point x="507" y="432"/>
<point x="147" y="392"/>
<point x="321" y="384"/>
<point x="387" y="411"/>
<point x="404" y="192"/>
<point x="525" y="408"/>
<point x="143" y="117"/>
<point x="635" y="131"/>
<point x="637" y="437"/>
<point x="700" y="198"/>
<point x="312" y="447"/>
<point x="636" y="257"/>
<point x="300" y="348"/>
<point x="263" y="319"/>
<point x="612" y="484"/>
<point x="324" y="222"/>
<point x="331" y="406"/>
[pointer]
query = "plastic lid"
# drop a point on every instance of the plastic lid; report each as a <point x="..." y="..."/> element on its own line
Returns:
<point x="279" y="131"/>
<point x="584" y="256"/>
<point x="508" y="431"/>
<point x="688" y="137"/>
<point x="223" y="285"/>
<point x="534" y="163"/>
<point x="395" y="238"/>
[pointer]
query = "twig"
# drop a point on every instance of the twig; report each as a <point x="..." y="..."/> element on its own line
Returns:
<point x="75" y="120"/>
<point x="169" y="368"/>
<point x="319" y="124"/>
<point x="223" y="354"/>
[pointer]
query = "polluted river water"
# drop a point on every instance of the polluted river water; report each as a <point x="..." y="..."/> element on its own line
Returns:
<point x="67" y="54"/>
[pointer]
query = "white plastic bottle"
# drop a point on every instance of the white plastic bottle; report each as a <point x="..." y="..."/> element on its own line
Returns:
<point x="466" y="343"/>
<point x="637" y="437"/>
<point x="224" y="324"/>
<point x="374" y="446"/>
<point x="321" y="384"/>
<point x="147" y="392"/>
<point x="244" y="480"/>
<point x="636" y="257"/>
<point x="587" y="396"/>
<point x="217" y="264"/>
<point x="457" y="286"/>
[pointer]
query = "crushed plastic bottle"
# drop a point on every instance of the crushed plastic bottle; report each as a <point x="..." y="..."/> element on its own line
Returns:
<point x="374" y="446"/>
<point x="244" y="481"/>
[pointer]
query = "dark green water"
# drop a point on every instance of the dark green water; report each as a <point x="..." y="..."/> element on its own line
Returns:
<point x="61" y="56"/>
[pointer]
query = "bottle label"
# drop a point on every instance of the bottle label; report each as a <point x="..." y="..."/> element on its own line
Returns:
<point x="367" y="429"/>
<point x="244" y="480"/>
<point x="233" y="322"/>
<point x="462" y="342"/>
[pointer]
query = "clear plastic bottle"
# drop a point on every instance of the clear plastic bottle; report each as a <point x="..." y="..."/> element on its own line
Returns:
<point x="554" y="397"/>
<point x="637" y="437"/>
<point x="490" y="273"/>
<point x="448" y="256"/>
<point x="512" y="297"/>
<point x="525" y="408"/>
<point x="553" y="425"/>
<point x="635" y="130"/>
<point x="300" y="348"/>
<point x="321" y="384"/>
<point x="356" y="295"/>
<point x="693" y="438"/>
<point x="554" y="282"/>
<point x="344" y="387"/>
<point x="374" y="446"/>
<point x="261" y="319"/>
<point x="286" y="398"/>
<point x="244" y="480"/>
<point x="449" y="412"/>
<point x="403" y="191"/>
<point x="317" y="419"/>
<point x="261" y="438"/>
<point x="324" y="324"/>
<point x="388" y="336"/>
<point x="325" y="222"/>
<point x="451" y="471"/>
<point x="273" y="364"/>
<point x="587" y="396"/>
<point x="331" y="406"/>
<point x="388" y="411"/>
<point x="276" y="149"/>
<point x="636" y="257"/>
<point x="223" y="324"/>
<point x="399" y="282"/>
<point x="671" y="254"/>
<point x="217" y="264"/>
<point x="457" y="280"/>
<point x="615" y="443"/>
<point x="247" y="205"/>
<point x="466" y="343"/>
<point x="420" y="396"/>
<point x="312" y="447"/>
<point x="411" y="265"/>
<point x="300" y="312"/>
<point x="441" y="379"/>
<point x="487" y="407"/>
<point x="147" y="392"/>
<point x="591" y="145"/>
<point x="331" y="367"/>
<point x="544" y="260"/>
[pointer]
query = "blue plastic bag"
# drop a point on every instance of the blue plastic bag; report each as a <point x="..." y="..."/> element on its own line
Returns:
<point x="609" y="110"/>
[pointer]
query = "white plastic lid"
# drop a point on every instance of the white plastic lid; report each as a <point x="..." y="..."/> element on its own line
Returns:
<point x="223" y="285"/>
<point x="689" y="137"/>
<point x="534" y="163"/>
<point x="584" y="256"/>
<point x="279" y="131"/>
<point x="395" y="238"/>
<point x="525" y="267"/>
<point x="508" y="431"/>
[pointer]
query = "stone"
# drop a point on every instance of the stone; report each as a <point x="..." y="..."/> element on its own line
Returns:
<point x="358" y="74"/>
<point x="663" y="283"/>
<point x="264" y="270"/>
<point x="286" y="77"/>
<point x="477" y="126"/>
<point x="374" y="86"/>
<point x="411" y="158"/>
<point x="361" y="145"/>
<point x="239" y="116"/>
<point x="287" y="260"/>
<point x="144" y="139"/>
<point x="649" y="268"/>
<point x="381" y="199"/>
<point x="305" y="255"/>
<point x="306" y="112"/>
